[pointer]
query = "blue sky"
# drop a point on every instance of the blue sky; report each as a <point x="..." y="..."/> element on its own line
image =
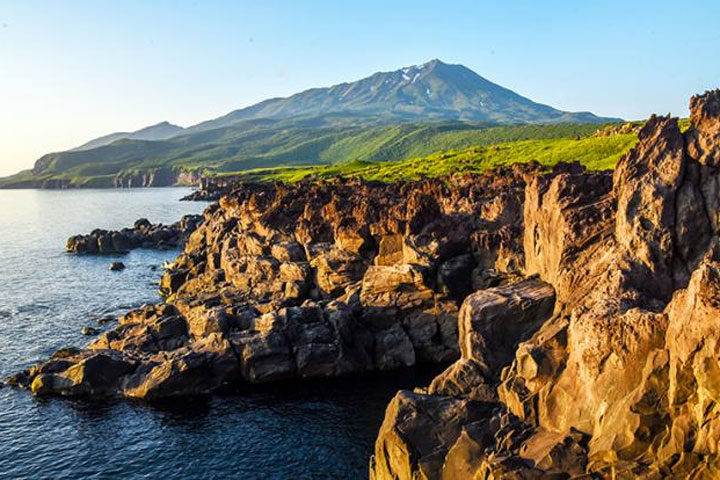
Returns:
<point x="75" y="70"/>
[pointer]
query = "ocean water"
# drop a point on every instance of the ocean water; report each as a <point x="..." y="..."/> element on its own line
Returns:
<point x="294" y="430"/>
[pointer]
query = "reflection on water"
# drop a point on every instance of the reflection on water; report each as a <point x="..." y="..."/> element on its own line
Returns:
<point x="308" y="430"/>
<point x="295" y="430"/>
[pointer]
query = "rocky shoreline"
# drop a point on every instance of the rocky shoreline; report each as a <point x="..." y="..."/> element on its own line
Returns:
<point x="579" y="308"/>
<point x="142" y="234"/>
<point x="313" y="280"/>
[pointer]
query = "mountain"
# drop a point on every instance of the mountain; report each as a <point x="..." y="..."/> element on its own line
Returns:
<point x="434" y="90"/>
<point x="387" y="116"/>
<point x="160" y="131"/>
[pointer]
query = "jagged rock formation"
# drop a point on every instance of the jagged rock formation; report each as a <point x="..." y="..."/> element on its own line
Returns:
<point x="311" y="280"/>
<point x="621" y="380"/>
<point x="143" y="234"/>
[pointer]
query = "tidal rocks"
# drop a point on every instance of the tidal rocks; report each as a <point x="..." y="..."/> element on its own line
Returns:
<point x="142" y="235"/>
<point x="618" y="379"/>
<point x="89" y="331"/>
<point x="94" y="374"/>
<point x="117" y="267"/>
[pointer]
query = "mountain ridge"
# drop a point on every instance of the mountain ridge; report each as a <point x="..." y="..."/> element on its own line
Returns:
<point x="158" y="131"/>
<point x="403" y="89"/>
<point x="306" y="128"/>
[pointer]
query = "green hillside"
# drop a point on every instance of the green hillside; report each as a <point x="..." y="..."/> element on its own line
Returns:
<point x="596" y="153"/>
<point x="258" y="144"/>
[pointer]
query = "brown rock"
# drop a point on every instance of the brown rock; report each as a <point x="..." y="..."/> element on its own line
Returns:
<point x="94" y="374"/>
<point x="621" y="380"/>
<point x="199" y="368"/>
<point x="492" y="322"/>
<point x="417" y="433"/>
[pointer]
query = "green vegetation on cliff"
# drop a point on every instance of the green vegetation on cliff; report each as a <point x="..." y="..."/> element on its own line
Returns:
<point x="596" y="153"/>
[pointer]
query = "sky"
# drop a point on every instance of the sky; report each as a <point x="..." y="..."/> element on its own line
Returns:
<point x="74" y="70"/>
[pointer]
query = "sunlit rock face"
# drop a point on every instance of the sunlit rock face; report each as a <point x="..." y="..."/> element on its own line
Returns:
<point x="307" y="280"/>
<point x="620" y="379"/>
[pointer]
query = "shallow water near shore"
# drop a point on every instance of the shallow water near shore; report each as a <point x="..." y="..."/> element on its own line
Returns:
<point x="297" y="430"/>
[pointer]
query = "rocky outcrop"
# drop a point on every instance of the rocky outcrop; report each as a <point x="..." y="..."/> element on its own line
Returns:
<point x="142" y="235"/>
<point x="210" y="189"/>
<point x="619" y="379"/>
<point x="310" y="280"/>
<point x="618" y="129"/>
<point x="421" y="427"/>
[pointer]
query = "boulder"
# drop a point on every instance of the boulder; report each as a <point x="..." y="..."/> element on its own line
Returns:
<point x="493" y="322"/>
<point x="91" y="374"/>
<point x="200" y="367"/>
<point x="336" y="269"/>
<point x="117" y="266"/>
<point x="417" y="433"/>
<point x="264" y="356"/>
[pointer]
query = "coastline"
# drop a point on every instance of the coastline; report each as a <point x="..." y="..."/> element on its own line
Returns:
<point x="557" y="294"/>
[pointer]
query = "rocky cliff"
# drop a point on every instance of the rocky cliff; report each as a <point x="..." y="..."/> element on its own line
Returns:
<point x="619" y="378"/>
<point x="155" y="177"/>
<point x="580" y="309"/>
<point x="134" y="178"/>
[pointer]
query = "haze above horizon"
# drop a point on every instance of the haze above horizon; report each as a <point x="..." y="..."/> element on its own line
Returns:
<point x="74" y="71"/>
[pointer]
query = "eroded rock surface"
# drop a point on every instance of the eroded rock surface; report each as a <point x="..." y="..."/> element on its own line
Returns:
<point x="309" y="280"/>
<point x="620" y="379"/>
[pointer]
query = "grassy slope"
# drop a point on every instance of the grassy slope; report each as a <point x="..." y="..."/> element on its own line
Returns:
<point x="263" y="144"/>
<point x="596" y="153"/>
